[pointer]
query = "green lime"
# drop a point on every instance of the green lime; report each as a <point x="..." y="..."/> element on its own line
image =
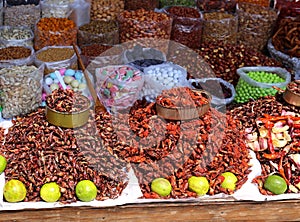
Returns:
<point x="3" y="163"/>
<point x="199" y="185"/>
<point x="86" y="190"/>
<point x="161" y="186"/>
<point x="229" y="180"/>
<point x="50" y="192"/>
<point x="276" y="184"/>
<point x="14" y="191"/>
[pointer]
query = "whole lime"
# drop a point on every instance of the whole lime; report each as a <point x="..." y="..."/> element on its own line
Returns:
<point x="86" y="190"/>
<point x="199" y="185"/>
<point x="3" y="163"/>
<point x="161" y="186"/>
<point x="50" y="192"/>
<point x="229" y="180"/>
<point x="276" y="184"/>
<point x="14" y="191"/>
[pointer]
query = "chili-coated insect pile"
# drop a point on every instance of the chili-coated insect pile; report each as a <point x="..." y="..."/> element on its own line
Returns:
<point x="176" y="150"/>
<point x="38" y="152"/>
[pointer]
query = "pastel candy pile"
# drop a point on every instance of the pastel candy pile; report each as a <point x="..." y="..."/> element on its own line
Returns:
<point x="119" y="86"/>
<point x="73" y="79"/>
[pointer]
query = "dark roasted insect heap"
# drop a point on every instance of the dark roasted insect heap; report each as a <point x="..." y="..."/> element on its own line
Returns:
<point x="272" y="130"/>
<point x="1" y="135"/>
<point x="176" y="150"/>
<point x="38" y="152"/>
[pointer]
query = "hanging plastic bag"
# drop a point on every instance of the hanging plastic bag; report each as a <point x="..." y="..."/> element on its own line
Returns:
<point x="80" y="12"/>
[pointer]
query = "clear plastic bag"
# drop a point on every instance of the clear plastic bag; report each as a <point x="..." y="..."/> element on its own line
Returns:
<point x="80" y="12"/>
<point x="55" y="9"/>
<point x="248" y="88"/>
<point x="118" y="87"/>
<point x="256" y="24"/>
<point x="162" y="77"/>
<point x="16" y="35"/>
<point x="56" y="65"/>
<point x="286" y="60"/>
<point x="19" y="62"/>
<point x="98" y="32"/>
<point x="21" y="89"/>
<point x="217" y="5"/>
<point x="220" y="26"/>
<point x="218" y="97"/>
<point x="187" y="25"/>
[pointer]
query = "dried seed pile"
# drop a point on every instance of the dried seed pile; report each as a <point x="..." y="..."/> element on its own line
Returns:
<point x="183" y="149"/>
<point x="1" y="135"/>
<point x="38" y="152"/>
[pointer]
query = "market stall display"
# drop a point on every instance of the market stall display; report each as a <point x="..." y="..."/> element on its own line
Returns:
<point x="161" y="135"/>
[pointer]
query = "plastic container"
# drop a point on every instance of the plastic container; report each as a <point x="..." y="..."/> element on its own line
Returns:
<point x="187" y="25"/>
<point x="216" y="87"/>
<point x="289" y="62"/>
<point x="220" y="26"/>
<point x="118" y="87"/>
<point x="16" y="35"/>
<point x="21" y="88"/>
<point x="98" y="32"/>
<point x="260" y="88"/>
<point x="55" y="60"/>
<point x="256" y="25"/>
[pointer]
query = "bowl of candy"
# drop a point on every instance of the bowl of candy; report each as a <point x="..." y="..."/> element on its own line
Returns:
<point x="182" y="103"/>
<point x="67" y="108"/>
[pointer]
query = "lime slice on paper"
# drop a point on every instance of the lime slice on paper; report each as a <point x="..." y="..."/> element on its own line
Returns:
<point x="229" y="180"/>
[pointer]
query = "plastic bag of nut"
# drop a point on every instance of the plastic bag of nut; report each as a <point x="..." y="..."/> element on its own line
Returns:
<point x="55" y="8"/>
<point x="16" y="56"/>
<point x="106" y="10"/>
<point x="54" y="31"/>
<point x="220" y="26"/>
<point x="22" y="15"/>
<point x="146" y="28"/>
<point x="21" y="89"/>
<point x="288" y="61"/>
<point x="256" y="24"/>
<point x="216" y="5"/>
<point x="145" y="4"/>
<point x="81" y="12"/>
<point x="100" y="32"/>
<point x="187" y="25"/>
<point x="56" y="57"/>
<point x="16" y="35"/>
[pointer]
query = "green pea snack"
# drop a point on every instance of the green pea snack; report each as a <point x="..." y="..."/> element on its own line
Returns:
<point x="257" y="82"/>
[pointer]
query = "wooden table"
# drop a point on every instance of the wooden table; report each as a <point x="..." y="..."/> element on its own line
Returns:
<point x="212" y="211"/>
